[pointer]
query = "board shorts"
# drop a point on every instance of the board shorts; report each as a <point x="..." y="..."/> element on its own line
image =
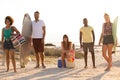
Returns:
<point x="38" y="45"/>
<point x="8" y="44"/>
<point x="108" y="39"/>
<point x="88" y="46"/>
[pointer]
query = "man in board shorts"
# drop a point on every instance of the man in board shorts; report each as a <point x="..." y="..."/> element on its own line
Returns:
<point x="87" y="39"/>
<point x="38" y="36"/>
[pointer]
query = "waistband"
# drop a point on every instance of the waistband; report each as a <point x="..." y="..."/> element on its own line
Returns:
<point x="7" y="39"/>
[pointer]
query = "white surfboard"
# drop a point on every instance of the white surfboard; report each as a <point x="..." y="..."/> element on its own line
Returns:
<point x="114" y="33"/>
<point x="27" y="26"/>
<point x="26" y="47"/>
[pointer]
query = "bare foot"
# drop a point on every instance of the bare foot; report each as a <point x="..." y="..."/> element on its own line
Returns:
<point x="36" y="67"/>
<point x="43" y="66"/>
<point x="94" y="66"/>
<point x="107" y="69"/>
<point x="85" y="67"/>
<point x="15" y="71"/>
<point x="7" y="70"/>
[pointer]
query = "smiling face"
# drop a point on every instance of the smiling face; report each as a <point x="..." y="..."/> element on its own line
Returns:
<point x="7" y="22"/>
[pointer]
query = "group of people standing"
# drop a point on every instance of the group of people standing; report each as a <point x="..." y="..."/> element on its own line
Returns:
<point x="87" y="40"/>
<point x="38" y="36"/>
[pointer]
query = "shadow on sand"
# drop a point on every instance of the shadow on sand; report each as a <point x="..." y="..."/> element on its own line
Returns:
<point x="98" y="77"/>
<point x="51" y="74"/>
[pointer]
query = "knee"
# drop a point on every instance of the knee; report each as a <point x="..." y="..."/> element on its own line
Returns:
<point x="7" y="56"/>
<point x="12" y="57"/>
<point x="104" y="55"/>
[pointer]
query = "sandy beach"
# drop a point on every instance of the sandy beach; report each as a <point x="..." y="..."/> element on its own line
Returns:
<point x="52" y="72"/>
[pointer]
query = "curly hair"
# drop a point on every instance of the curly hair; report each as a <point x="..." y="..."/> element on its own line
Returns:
<point x="10" y="19"/>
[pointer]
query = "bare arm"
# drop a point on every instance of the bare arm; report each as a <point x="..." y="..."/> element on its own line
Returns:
<point x="71" y="46"/>
<point x="62" y="46"/>
<point x="93" y="36"/>
<point x="44" y="31"/>
<point x="100" y="40"/>
<point x="101" y="36"/>
<point x="80" y="39"/>
<point x="15" y="29"/>
<point x="2" y="37"/>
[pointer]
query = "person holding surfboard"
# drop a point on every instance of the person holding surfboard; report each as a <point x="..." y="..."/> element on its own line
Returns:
<point x="107" y="38"/>
<point x="87" y="39"/>
<point x="38" y="37"/>
<point x="8" y="47"/>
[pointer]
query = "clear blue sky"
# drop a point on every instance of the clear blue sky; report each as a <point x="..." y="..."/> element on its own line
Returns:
<point x="61" y="16"/>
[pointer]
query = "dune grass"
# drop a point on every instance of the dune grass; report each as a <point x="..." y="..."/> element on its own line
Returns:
<point x="57" y="52"/>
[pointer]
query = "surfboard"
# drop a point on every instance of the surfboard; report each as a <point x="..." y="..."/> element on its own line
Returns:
<point x="27" y="26"/>
<point x="114" y="33"/>
<point x="26" y="47"/>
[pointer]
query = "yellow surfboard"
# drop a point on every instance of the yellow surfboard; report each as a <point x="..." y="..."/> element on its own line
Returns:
<point x="114" y="33"/>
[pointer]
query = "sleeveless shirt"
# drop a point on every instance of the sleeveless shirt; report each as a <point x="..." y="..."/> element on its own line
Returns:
<point x="7" y="33"/>
<point x="107" y="30"/>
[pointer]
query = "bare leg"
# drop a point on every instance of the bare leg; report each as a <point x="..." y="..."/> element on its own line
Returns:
<point x="110" y="55"/>
<point x="63" y="59"/>
<point x="104" y="50"/>
<point x="7" y="59"/>
<point x="93" y="59"/>
<point x="37" y="59"/>
<point x="85" y="59"/>
<point x="42" y="59"/>
<point x="13" y="59"/>
<point x="3" y="59"/>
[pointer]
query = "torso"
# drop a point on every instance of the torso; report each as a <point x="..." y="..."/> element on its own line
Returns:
<point x="7" y="33"/>
<point x="86" y="34"/>
<point x="66" y="46"/>
<point x="37" y="31"/>
<point x="107" y="29"/>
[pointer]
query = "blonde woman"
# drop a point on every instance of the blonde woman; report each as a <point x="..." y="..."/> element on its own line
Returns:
<point x="108" y="41"/>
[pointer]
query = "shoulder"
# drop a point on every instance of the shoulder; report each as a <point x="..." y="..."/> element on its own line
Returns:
<point x="61" y="43"/>
<point x="70" y="42"/>
<point x="90" y="27"/>
<point x="104" y="24"/>
<point x="81" y="28"/>
<point x="33" y="21"/>
<point x="41" y="21"/>
<point x="13" y="27"/>
<point x="111" y="23"/>
<point x="3" y="28"/>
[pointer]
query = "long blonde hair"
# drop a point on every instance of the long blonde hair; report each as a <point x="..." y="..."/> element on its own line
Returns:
<point x="106" y="16"/>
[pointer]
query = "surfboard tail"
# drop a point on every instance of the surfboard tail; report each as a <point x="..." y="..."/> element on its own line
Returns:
<point x="114" y="33"/>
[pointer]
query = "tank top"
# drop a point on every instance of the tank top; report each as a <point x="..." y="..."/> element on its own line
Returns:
<point x="7" y="33"/>
<point x="66" y="46"/>
<point x="107" y="29"/>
